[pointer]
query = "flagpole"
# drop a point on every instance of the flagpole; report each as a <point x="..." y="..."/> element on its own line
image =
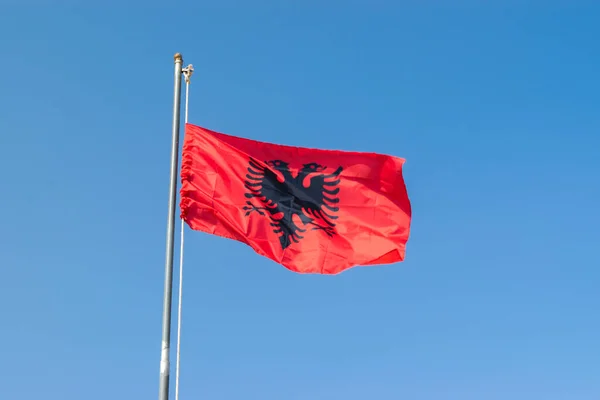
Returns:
<point x="168" y="292"/>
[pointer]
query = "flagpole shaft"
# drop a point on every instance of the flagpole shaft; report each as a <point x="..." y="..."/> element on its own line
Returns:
<point x="166" y="319"/>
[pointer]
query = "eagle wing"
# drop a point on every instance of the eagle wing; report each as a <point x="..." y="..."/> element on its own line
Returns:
<point x="262" y="183"/>
<point x="321" y="200"/>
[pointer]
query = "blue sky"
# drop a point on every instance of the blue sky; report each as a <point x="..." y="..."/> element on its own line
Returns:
<point x="495" y="108"/>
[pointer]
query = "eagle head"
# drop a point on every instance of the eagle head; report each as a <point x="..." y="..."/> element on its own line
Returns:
<point x="278" y="165"/>
<point x="311" y="168"/>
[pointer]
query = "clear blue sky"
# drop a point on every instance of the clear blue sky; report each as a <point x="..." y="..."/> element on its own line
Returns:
<point x="495" y="108"/>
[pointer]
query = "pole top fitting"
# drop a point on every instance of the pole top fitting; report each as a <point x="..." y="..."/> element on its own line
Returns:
<point x="178" y="57"/>
<point x="187" y="73"/>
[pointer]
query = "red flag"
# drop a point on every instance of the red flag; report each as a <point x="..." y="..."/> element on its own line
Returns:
<point x="310" y="210"/>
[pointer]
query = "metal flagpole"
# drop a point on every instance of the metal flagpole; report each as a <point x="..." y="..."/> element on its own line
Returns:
<point x="163" y="393"/>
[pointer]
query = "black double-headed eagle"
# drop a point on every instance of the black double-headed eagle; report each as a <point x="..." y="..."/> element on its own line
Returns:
<point x="293" y="203"/>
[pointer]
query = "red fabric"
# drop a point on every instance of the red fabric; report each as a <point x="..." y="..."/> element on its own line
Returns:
<point x="365" y="198"/>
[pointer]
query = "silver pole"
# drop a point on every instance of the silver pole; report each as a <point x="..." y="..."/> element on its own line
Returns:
<point x="163" y="393"/>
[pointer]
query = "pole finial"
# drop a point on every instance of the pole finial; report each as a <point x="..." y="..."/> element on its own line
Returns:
<point x="178" y="57"/>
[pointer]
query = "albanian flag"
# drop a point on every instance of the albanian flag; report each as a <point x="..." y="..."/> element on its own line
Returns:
<point x="310" y="210"/>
